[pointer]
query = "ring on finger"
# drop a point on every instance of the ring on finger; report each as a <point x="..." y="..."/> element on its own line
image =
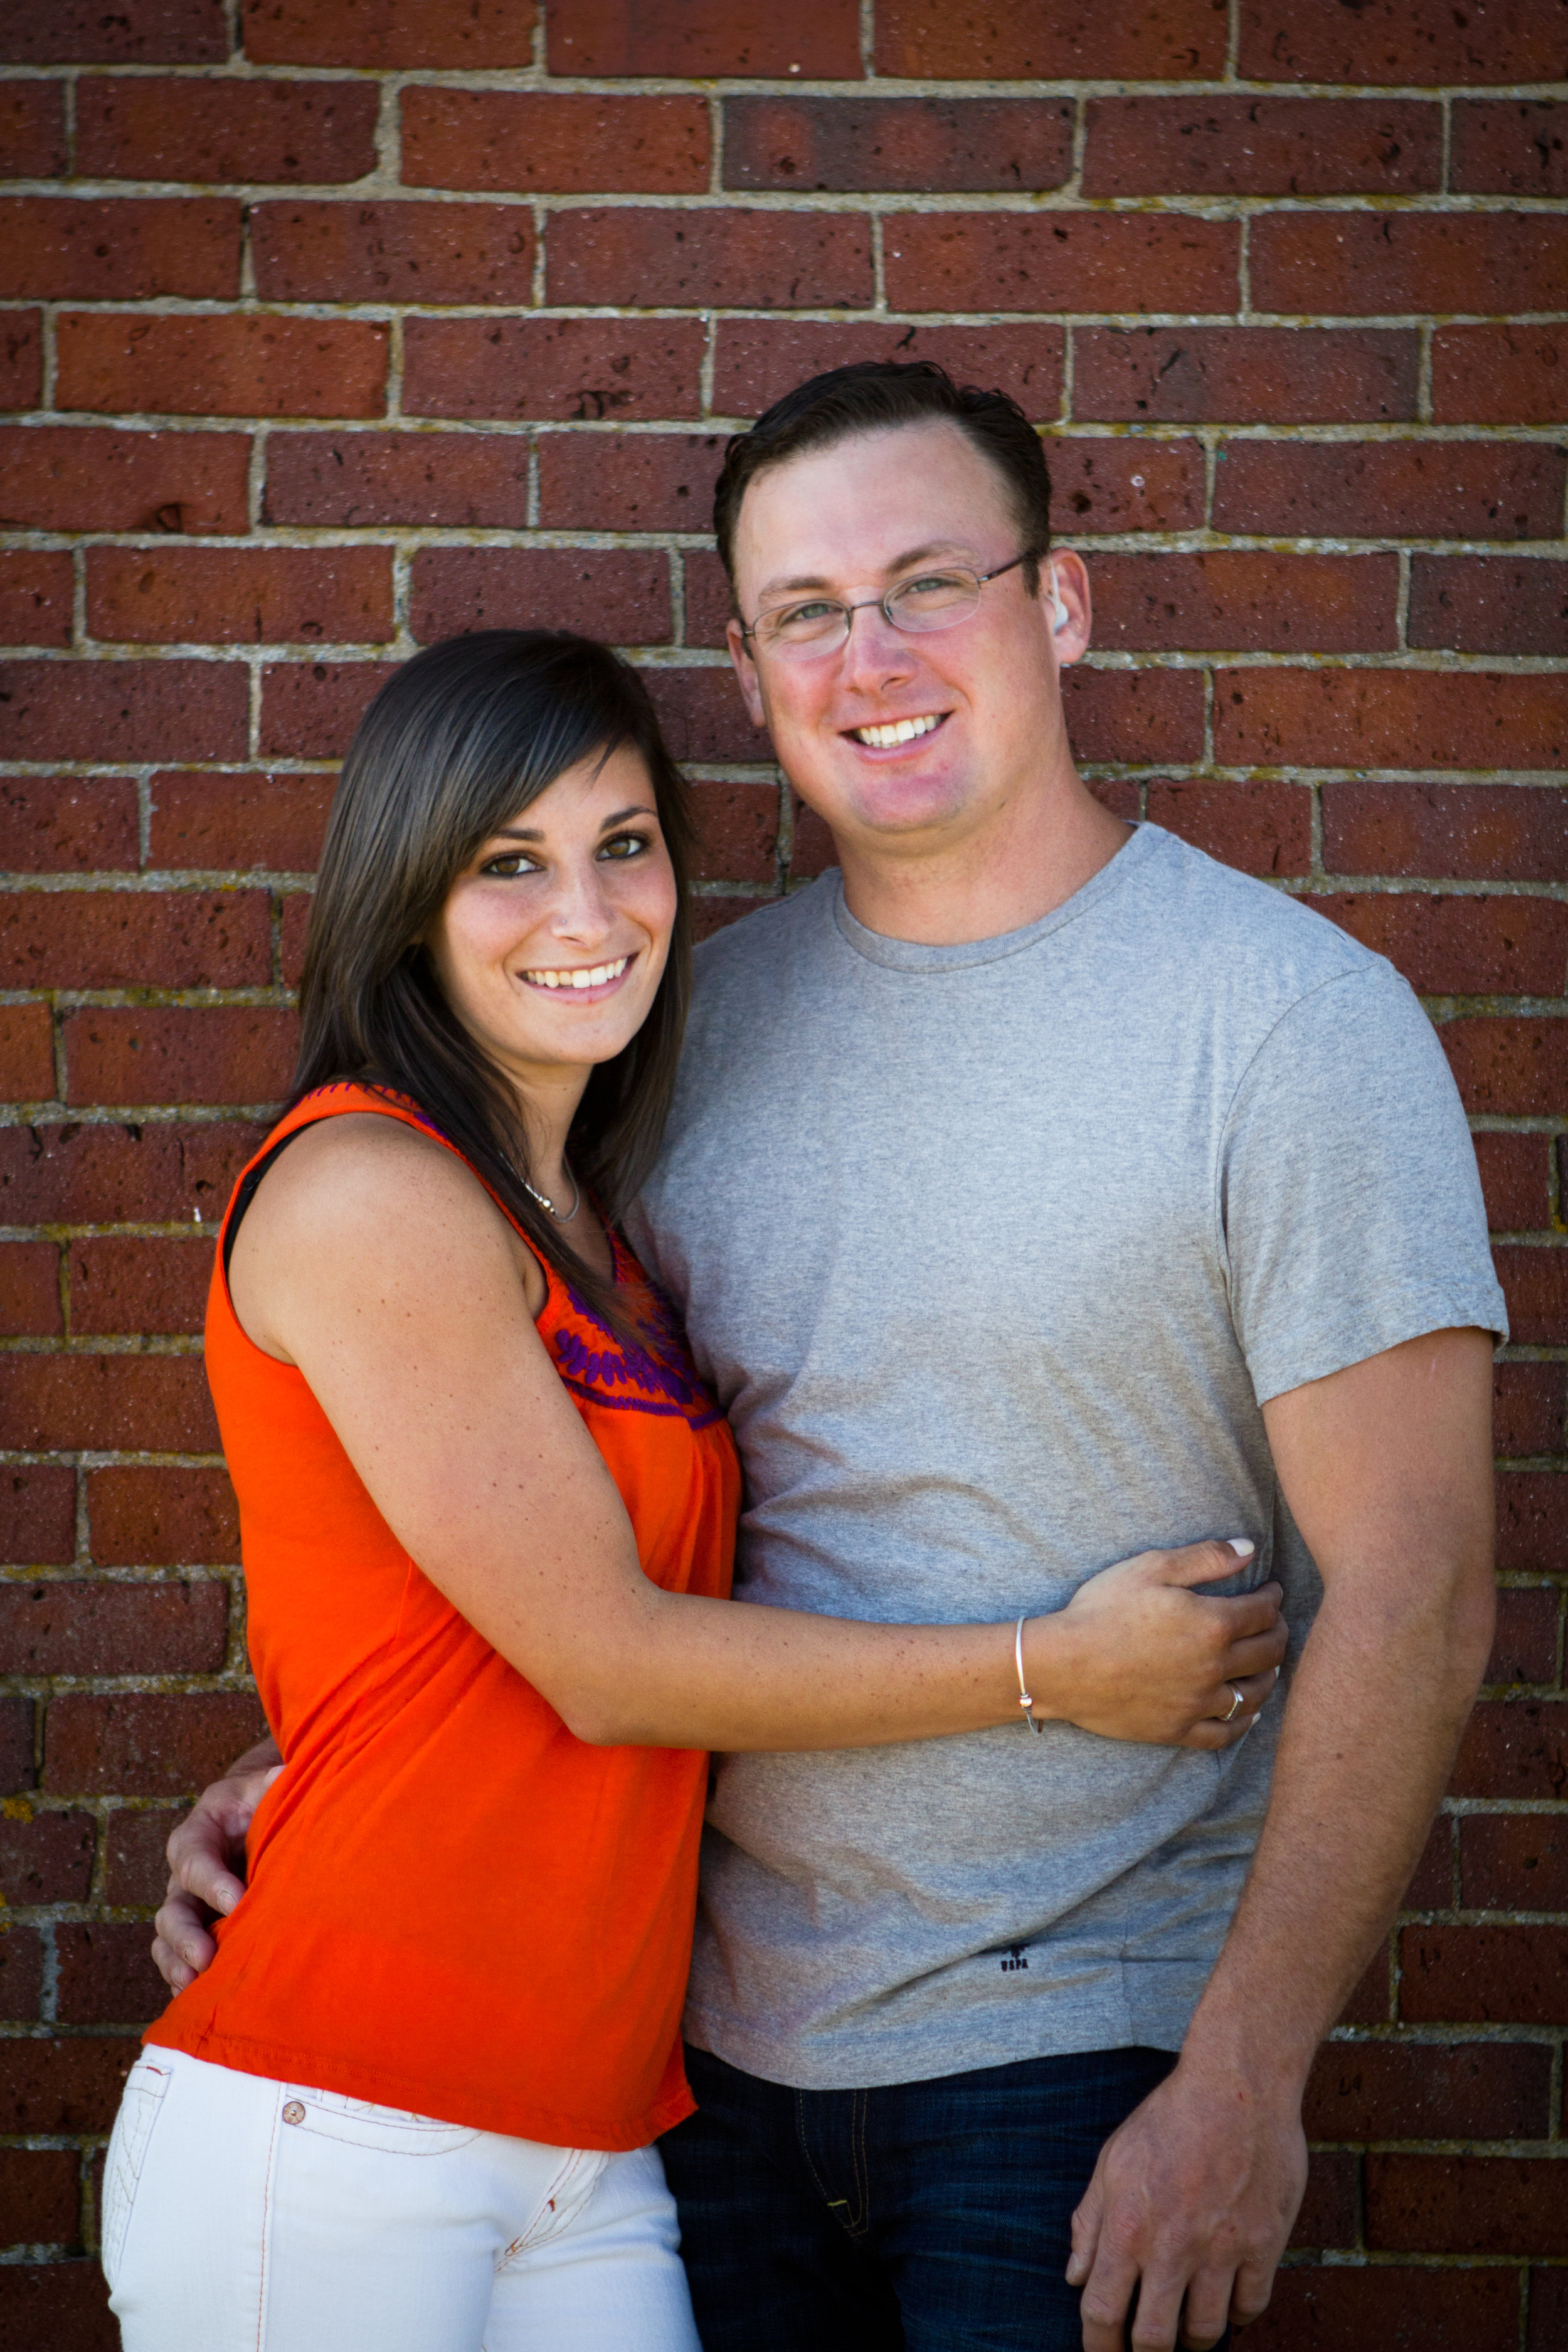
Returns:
<point x="1237" y="1701"/>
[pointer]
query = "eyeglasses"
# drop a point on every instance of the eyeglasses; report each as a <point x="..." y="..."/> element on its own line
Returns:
<point x="919" y="607"/>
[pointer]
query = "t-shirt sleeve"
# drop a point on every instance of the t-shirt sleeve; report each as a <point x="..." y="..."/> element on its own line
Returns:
<point x="1350" y="1201"/>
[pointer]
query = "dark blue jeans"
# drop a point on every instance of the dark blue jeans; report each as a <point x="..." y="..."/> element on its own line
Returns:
<point x="933" y="2215"/>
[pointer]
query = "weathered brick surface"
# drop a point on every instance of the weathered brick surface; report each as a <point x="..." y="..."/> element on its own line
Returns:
<point x="337" y="324"/>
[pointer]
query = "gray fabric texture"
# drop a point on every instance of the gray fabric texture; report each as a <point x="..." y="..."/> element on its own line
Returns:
<point x="992" y="1253"/>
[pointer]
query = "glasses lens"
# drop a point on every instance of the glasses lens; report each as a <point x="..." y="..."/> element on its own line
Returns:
<point x="934" y="600"/>
<point x="810" y="627"/>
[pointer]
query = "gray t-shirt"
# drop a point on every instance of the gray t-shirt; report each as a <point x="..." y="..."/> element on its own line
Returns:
<point x="992" y="1253"/>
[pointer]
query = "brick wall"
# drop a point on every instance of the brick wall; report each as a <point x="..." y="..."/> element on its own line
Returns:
<point x="338" y="325"/>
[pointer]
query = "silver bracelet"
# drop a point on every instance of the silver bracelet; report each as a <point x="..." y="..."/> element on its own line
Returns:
<point x="1024" y="1701"/>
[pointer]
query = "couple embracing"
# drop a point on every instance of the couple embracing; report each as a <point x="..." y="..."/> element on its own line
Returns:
<point x="1060" y="1258"/>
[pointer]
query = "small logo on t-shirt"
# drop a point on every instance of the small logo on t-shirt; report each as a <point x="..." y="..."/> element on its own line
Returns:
<point x="1015" y="1958"/>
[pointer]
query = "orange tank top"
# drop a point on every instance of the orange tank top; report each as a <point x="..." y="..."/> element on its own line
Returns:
<point x="453" y="1905"/>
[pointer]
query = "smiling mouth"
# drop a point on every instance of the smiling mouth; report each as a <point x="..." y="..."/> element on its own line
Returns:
<point x="897" y="731"/>
<point x="581" y="977"/>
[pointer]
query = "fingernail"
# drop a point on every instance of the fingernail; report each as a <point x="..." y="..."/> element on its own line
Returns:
<point x="1241" y="1545"/>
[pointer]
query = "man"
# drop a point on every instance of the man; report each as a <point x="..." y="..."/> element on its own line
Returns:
<point x="1037" y="1191"/>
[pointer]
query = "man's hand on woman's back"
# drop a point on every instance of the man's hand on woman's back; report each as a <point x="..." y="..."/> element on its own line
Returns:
<point x="202" y="1852"/>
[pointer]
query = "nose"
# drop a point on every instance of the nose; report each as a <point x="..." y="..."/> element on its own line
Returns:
<point x="876" y="654"/>
<point x="582" y="908"/>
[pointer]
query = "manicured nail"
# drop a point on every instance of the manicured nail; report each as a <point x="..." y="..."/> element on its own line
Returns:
<point x="1241" y="1545"/>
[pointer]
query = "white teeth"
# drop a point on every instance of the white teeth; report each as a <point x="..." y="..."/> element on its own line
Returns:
<point x="584" y="976"/>
<point x="901" y="730"/>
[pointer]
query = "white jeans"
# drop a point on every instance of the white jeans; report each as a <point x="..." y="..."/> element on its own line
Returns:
<point x="243" y="2215"/>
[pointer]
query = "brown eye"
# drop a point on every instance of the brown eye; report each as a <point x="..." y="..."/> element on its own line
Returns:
<point x="509" y="866"/>
<point x="622" y="846"/>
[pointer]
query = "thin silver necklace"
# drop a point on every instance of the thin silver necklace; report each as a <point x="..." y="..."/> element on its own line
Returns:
<point x="546" y="1204"/>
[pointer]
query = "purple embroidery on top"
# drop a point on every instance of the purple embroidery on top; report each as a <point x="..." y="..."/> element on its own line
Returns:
<point x="661" y="1375"/>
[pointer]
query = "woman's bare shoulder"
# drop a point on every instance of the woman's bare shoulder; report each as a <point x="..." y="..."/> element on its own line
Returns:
<point x="358" y="1168"/>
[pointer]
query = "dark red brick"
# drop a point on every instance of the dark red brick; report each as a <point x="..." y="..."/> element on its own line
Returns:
<point x="1137" y="40"/>
<point x="29" y="1289"/>
<point x="350" y="480"/>
<point x="387" y="35"/>
<point x="916" y="143"/>
<point x="253" y="596"/>
<point x="252" y="131"/>
<point x="1244" y="376"/>
<point x="1327" y="2214"/>
<point x="1134" y="716"/>
<point x="1498" y="376"/>
<point x="1403" y="41"/>
<point x="122" y="712"/>
<point x="1548" y="2311"/>
<point x="37" y="1516"/>
<point x="48" y="2087"/>
<point x="113" y="1629"/>
<point x="1462" y="833"/>
<point x="108" y="1403"/>
<point x="1506" y="1975"/>
<point x="15" y="1742"/>
<point x="377" y="252"/>
<point x="1390" y="489"/>
<point x="39" y="2195"/>
<point x="1060" y="261"/>
<point x="90" y="478"/>
<point x="738" y="258"/>
<point x="1514" y="1862"/>
<point x="1372" y="2001"/>
<point x="107" y="1976"/>
<point x="1509" y="147"/>
<point x="130" y="1285"/>
<point x="628" y="481"/>
<point x="1461" y="947"/>
<point x="559" y="369"/>
<point x="125" y="250"/>
<point x="1431" y="1887"/>
<point x="1488" y="604"/>
<point x="1247" y="601"/>
<point x="811" y="851"/>
<point x="1379" y="263"/>
<point x="294" y="929"/>
<point x="238" y="822"/>
<point x="737" y="831"/>
<point x="1529" y="1400"/>
<point x="707" y="598"/>
<point x="27" y="1053"/>
<point x="704" y="716"/>
<point x="21" y="1977"/>
<point x="138" y="1861"/>
<point x="617" y="593"/>
<point x="310" y="709"/>
<point x="21" y="358"/>
<point x="1532" y="1521"/>
<point x="56" y="825"/>
<point x="1513" y="1178"/>
<point x="162" y="1519"/>
<point x="35" y="590"/>
<point x="56" y="2307"/>
<point x="1377" y="2090"/>
<point x="138" y="33"/>
<point x="1260" y="827"/>
<point x="1510" y="1066"/>
<point x="44" y="1857"/>
<point x="121" y="1173"/>
<point x="711" y="914"/>
<point x="1536" y="1280"/>
<point x="557" y="143"/>
<point x="1125" y="485"/>
<point x="1351" y="2308"/>
<point x="1466" y="2205"/>
<point x="1524" y="1647"/>
<point x="756" y="360"/>
<point x="134" y="938"/>
<point x="1390" y="719"/>
<point x="218" y="1054"/>
<point x="1254" y="146"/>
<point x="144" y="1744"/>
<point x="32" y="130"/>
<point x="703" y="37"/>
<point x="222" y="364"/>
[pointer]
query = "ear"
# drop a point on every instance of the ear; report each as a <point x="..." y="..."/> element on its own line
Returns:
<point x="746" y="670"/>
<point x="1072" y="610"/>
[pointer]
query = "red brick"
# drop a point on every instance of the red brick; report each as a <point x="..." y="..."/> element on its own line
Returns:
<point x="90" y="478"/>
<point x="1431" y="1887"/>
<point x="63" y="2087"/>
<point x="1125" y="485"/>
<point x="1390" y="489"/>
<point x="239" y="822"/>
<point x="134" y="938"/>
<point x="107" y="1976"/>
<point x="811" y="851"/>
<point x="1349" y="2308"/>
<point x="703" y="37"/>
<point x="122" y="711"/>
<point x="350" y="480"/>
<point x="1262" y="147"/>
<point x="129" y="1286"/>
<point x="1468" y="833"/>
<point x="293" y="932"/>
<point x="1403" y="41"/>
<point x="251" y="595"/>
<point x="37" y="1516"/>
<point x="29" y="1289"/>
<point x="1244" y="376"/>
<point x="756" y="360"/>
<point x="477" y="35"/>
<point x="35" y="590"/>
<point x="1461" y="947"/>
<point x="21" y="358"/>
<point x="91" y="249"/>
<point x="1529" y="1400"/>
<point x="1139" y="40"/>
<point x="556" y="369"/>
<point x="113" y="1629"/>
<point x="916" y="143"/>
<point x="1514" y="1748"/>
<point x="121" y="1173"/>
<point x="1383" y="262"/>
<point x="1524" y="1648"/>
<point x="1378" y="2090"/>
<point x="1390" y="719"/>
<point x="1371" y="2002"/>
<point x="1488" y="604"/>
<point x="1514" y="1179"/>
<point x="704" y="716"/>
<point x="58" y="2307"/>
<point x="251" y="131"/>
<point x="32" y="130"/>
<point x="39" y="2195"/>
<point x="310" y="709"/>
<point x="143" y="1517"/>
<point x="1514" y="1862"/>
<point x="1548" y="2311"/>
<point x="137" y="1858"/>
<point x="711" y="914"/>
<point x="1060" y="261"/>
<point x="144" y="1744"/>
<point x="1507" y="1975"/>
<point x="737" y="831"/>
<point x="1327" y="2214"/>
<point x="739" y="258"/>
<point x="619" y="593"/>
<point x="1498" y="376"/>
<point x="15" y="1741"/>
<point x="707" y="598"/>
<point x="1509" y="147"/>
<point x="559" y="143"/>
<point x="376" y="252"/>
<point x="1135" y="716"/>
<point x="1532" y="1521"/>
<point x="1247" y="601"/>
<point x="44" y="1857"/>
<point x="628" y="481"/>
<point x="1466" y="2205"/>
<point x="1516" y="1066"/>
<point x="108" y="1403"/>
<point x="21" y="1976"/>
<point x="136" y="32"/>
<point x="1260" y="827"/>
<point x="222" y="365"/>
<point x="1536" y="1280"/>
<point x="27" y="1053"/>
<point x="240" y="1053"/>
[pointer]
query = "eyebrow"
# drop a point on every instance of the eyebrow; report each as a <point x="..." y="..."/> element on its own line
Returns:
<point x="898" y="564"/>
<point x="532" y="832"/>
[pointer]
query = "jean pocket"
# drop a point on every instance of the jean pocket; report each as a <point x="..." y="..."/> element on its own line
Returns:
<point x="358" y="2123"/>
<point x="145" y="2088"/>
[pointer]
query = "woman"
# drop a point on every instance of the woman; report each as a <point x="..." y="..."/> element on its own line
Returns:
<point x="488" y="1515"/>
